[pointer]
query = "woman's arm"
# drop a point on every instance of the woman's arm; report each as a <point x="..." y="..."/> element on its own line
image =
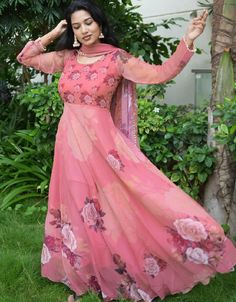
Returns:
<point x="139" y="71"/>
<point x="33" y="53"/>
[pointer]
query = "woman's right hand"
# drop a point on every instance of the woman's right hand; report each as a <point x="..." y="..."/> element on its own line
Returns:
<point x="59" y="29"/>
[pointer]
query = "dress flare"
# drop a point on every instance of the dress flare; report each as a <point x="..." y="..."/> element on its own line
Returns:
<point x="115" y="223"/>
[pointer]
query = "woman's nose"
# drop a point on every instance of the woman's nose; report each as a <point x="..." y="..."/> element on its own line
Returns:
<point x="84" y="29"/>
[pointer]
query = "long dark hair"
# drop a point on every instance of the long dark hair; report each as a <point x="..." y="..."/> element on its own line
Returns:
<point x="67" y="38"/>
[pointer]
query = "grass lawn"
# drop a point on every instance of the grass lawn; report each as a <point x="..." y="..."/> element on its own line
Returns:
<point x="21" y="240"/>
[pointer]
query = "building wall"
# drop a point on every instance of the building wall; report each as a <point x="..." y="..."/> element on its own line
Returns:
<point x="157" y="10"/>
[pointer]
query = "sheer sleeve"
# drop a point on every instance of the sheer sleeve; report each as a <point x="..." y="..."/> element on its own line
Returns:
<point x="33" y="55"/>
<point x="138" y="71"/>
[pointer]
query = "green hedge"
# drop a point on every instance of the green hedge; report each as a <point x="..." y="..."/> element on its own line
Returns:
<point x="174" y="138"/>
<point x="225" y="128"/>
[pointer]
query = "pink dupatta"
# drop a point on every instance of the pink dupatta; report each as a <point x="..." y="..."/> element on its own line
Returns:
<point x="124" y="108"/>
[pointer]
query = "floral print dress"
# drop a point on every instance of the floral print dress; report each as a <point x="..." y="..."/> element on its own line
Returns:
<point x="115" y="223"/>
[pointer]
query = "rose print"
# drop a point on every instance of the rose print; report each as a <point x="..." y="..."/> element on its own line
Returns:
<point x="56" y="213"/>
<point x="68" y="237"/>
<point x="197" y="255"/>
<point x="45" y="256"/>
<point x="103" y="70"/>
<point x="120" y="264"/>
<point x="153" y="265"/>
<point x="127" y="288"/>
<point x="66" y="281"/>
<point x="92" y="214"/>
<point x="92" y="76"/>
<point x="66" y="246"/>
<point x="195" y="243"/>
<point x="122" y="55"/>
<point x="69" y="97"/>
<point x="110" y="80"/>
<point x="86" y="69"/>
<point x="77" y="88"/>
<point x="133" y="291"/>
<point x="115" y="56"/>
<point x="101" y="101"/>
<point x="144" y="296"/>
<point x="190" y="229"/>
<point x="93" y="283"/>
<point x="53" y="244"/>
<point x="74" y="259"/>
<point x="74" y="75"/>
<point x="86" y="98"/>
<point x="114" y="160"/>
<point x="137" y="294"/>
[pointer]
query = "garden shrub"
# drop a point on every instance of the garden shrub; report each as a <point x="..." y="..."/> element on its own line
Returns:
<point x="225" y="126"/>
<point x="174" y="138"/>
<point x="44" y="102"/>
<point x="27" y="150"/>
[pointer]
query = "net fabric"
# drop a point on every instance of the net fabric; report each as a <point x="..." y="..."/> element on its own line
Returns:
<point x="124" y="110"/>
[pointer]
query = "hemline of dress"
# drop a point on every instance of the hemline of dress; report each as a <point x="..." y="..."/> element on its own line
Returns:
<point x="204" y="282"/>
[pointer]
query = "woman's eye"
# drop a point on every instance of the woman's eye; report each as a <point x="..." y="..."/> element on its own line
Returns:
<point x="76" y="27"/>
<point x="89" y="23"/>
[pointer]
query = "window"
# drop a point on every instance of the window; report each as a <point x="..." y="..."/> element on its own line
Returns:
<point x="202" y="86"/>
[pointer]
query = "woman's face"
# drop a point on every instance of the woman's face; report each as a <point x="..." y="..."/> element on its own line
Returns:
<point x="85" y="28"/>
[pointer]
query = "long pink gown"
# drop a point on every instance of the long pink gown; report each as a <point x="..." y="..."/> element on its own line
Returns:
<point x="115" y="223"/>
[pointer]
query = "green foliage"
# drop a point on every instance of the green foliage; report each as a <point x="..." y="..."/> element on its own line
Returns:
<point x="26" y="155"/>
<point x="12" y="117"/>
<point x="44" y="101"/>
<point x="206" y="4"/>
<point x="225" y="123"/>
<point x="174" y="139"/>
<point x="25" y="169"/>
<point x="20" y="21"/>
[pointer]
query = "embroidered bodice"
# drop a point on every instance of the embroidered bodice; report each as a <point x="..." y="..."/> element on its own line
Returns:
<point x="91" y="84"/>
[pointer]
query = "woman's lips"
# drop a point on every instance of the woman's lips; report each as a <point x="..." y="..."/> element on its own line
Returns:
<point x="87" y="37"/>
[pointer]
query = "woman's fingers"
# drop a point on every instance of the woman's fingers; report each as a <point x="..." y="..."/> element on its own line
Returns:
<point x="203" y="16"/>
<point x="199" y="22"/>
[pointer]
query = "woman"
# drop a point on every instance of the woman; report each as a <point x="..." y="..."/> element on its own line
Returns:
<point x="115" y="223"/>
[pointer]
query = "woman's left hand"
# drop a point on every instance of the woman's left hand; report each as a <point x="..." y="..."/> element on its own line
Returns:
<point x="196" y="27"/>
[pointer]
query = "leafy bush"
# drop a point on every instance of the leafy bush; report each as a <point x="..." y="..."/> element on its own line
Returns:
<point x="45" y="103"/>
<point x="225" y="126"/>
<point x="174" y="139"/>
<point x="25" y="169"/>
<point x="26" y="155"/>
<point x="12" y="117"/>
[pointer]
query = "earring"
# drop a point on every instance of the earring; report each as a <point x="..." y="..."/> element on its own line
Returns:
<point x="76" y="42"/>
<point x="101" y="36"/>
